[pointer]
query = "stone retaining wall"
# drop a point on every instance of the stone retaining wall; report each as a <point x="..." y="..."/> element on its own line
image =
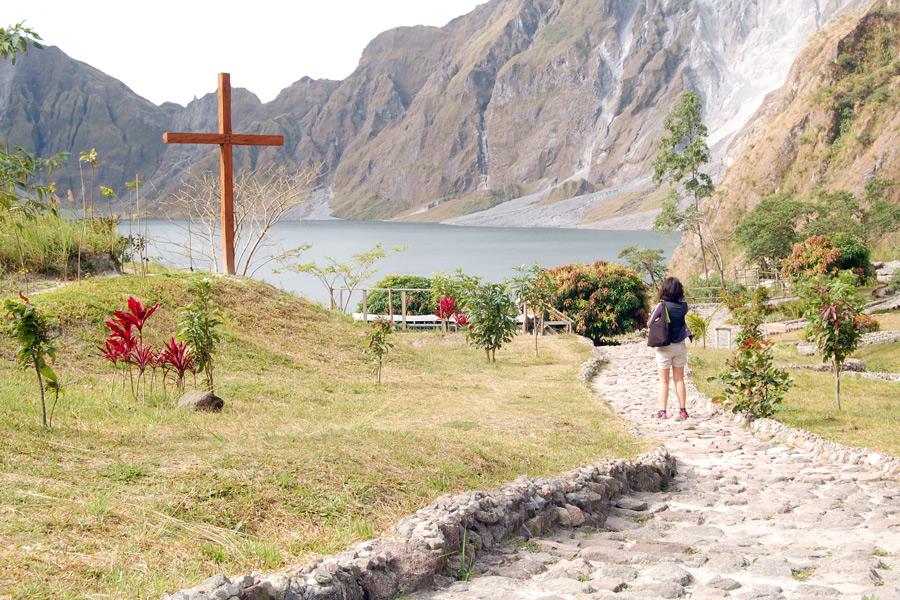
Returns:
<point x="880" y="337"/>
<point x="425" y="548"/>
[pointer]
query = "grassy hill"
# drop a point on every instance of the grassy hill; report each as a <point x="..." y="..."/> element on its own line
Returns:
<point x="131" y="498"/>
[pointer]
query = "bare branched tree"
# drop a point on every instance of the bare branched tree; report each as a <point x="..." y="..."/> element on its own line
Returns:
<point x="262" y="199"/>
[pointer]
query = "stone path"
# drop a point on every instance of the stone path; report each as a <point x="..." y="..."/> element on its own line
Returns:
<point x="746" y="518"/>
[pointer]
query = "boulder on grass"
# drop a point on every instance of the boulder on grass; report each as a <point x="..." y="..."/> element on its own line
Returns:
<point x="853" y="364"/>
<point x="201" y="400"/>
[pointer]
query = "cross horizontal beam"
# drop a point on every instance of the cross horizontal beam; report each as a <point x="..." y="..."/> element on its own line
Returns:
<point x="236" y="139"/>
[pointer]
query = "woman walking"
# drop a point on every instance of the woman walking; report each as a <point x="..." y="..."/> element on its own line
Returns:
<point x="673" y="355"/>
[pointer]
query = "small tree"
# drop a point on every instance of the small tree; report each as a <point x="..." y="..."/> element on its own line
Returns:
<point x="199" y="327"/>
<point x="751" y="381"/>
<point x="534" y="287"/>
<point x="651" y="262"/>
<point x="16" y="39"/>
<point x="492" y="315"/>
<point x="31" y="330"/>
<point x="814" y="256"/>
<point x="698" y="325"/>
<point x="378" y="344"/>
<point x="683" y="153"/>
<point x="331" y="273"/>
<point x="836" y="321"/>
<point x="768" y="232"/>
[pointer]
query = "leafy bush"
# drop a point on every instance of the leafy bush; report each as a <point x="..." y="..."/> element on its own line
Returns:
<point x="492" y="315"/>
<point x="752" y="383"/>
<point x="417" y="303"/>
<point x="199" y="327"/>
<point x="836" y="320"/>
<point x="894" y="283"/>
<point x="536" y="289"/>
<point x="32" y="331"/>
<point x="378" y="344"/>
<point x="855" y="255"/>
<point x="816" y="255"/>
<point x="604" y="299"/>
<point x="768" y="232"/>
<point x="698" y="326"/>
<point x="711" y="289"/>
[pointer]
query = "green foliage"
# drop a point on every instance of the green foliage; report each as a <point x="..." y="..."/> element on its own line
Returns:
<point x="417" y="303"/>
<point x="869" y="218"/>
<point x="710" y="289"/>
<point x="378" y="344"/>
<point x="534" y="287"/>
<point x="492" y="318"/>
<point x="855" y="255"/>
<point x="458" y="286"/>
<point x="894" y="282"/>
<point x="836" y="321"/>
<point x="751" y="382"/>
<point x="16" y="39"/>
<point x="21" y="174"/>
<point x="48" y="243"/>
<point x="698" y="326"/>
<point x="768" y="232"/>
<point x="604" y="299"/>
<point x="814" y="256"/>
<point x="649" y="261"/>
<point x="333" y="274"/>
<point x="199" y="327"/>
<point x="32" y="332"/>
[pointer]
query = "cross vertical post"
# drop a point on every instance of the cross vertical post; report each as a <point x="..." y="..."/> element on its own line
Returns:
<point x="226" y="141"/>
<point x="226" y="172"/>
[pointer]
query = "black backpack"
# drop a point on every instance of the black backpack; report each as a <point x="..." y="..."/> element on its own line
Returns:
<point x="658" y="336"/>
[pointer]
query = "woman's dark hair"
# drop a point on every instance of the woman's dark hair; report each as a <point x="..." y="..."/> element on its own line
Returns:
<point x="671" y="290"/>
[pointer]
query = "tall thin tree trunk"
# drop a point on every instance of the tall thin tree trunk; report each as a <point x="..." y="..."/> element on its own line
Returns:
<point x="40" y="379"/>
<point x="837" y="383"/>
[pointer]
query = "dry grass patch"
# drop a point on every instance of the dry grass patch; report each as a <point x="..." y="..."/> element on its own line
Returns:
<point x="133" y="498"/>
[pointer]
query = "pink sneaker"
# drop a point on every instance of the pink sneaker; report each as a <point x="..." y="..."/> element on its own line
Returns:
<point x="682" y="414"/>
<point x="662" y="415"/>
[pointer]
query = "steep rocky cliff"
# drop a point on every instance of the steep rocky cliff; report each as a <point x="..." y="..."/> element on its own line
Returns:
<point x="487" y="115"/>
<point x="833" y="125"/>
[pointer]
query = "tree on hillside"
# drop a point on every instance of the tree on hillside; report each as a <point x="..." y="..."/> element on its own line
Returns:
<point x="768" y="233"/>
<point x="869" y="217"/>
<point x="683" y="153"/>
<point x="651" y="262"/>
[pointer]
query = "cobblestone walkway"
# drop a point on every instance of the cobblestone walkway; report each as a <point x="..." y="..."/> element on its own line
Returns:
<point x="745" y="518"/>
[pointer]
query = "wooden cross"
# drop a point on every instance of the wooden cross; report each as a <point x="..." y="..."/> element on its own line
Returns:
<point x="225" y="139"/>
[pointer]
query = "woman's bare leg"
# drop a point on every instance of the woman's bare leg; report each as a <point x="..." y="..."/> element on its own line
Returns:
<point x="680" y="391"/>
<point x="664" y="388"/>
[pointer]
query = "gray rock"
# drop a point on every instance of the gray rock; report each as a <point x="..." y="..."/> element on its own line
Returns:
<point x="723" y="583"/>
<point x="201" y="400"/>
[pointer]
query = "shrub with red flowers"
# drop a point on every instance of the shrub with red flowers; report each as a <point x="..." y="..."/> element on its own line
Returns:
<point x="603" y="298"/>
<point x="752" y="384"/>
<point x="447" y="310"/>
<point x="816" y="255"/>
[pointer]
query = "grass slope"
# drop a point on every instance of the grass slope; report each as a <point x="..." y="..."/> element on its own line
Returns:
<point x="133" y="498"/>
<point x="870" y="414"/>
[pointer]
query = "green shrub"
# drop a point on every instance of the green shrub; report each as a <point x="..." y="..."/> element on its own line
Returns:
<point x="768" y="232"/>
<point x="604" y="299"/>
<point x="894" y="283"/>
<point x="698" y="326"/>
<point x="417" y="303"/>
<point x="492" y="318"/>
<point x="855" y="255"/>
<point x="710" y="289"/>
<point x="48" y="243"/>
<point x="751" y="382"/>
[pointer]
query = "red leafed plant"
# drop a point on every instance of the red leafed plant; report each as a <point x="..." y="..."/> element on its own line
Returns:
<point x="179" y="357"/>
<point x="123" y="347"/>
<point x="461" y="319"/>
<point x="137" y="314"/>
<point x="447" y="309"/>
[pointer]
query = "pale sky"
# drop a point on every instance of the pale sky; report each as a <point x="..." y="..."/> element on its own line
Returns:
<point x="167" y="50"/>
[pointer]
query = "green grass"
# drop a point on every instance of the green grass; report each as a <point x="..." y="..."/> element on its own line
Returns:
<point x="870" y="412"/>
<point x="133" y="498"/>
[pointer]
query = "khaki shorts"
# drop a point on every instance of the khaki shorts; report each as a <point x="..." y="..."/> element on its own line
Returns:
<point x="673" y="355"/>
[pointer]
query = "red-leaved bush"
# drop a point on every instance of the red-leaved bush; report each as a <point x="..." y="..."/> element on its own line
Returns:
<point x="448" y="309"/>
<point x="816" y="255"/>
<point x="605" y="299"/>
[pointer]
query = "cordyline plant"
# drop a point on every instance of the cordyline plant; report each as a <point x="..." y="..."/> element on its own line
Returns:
<point x="32" y="331"/>
<point x="177" y="357"/>
<point x="833" y="309"/>
<point x="124" y="347"/>
<point x="448" y="309"/>
<point x="378" y="344"/>
<point x="751" y="381"/>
